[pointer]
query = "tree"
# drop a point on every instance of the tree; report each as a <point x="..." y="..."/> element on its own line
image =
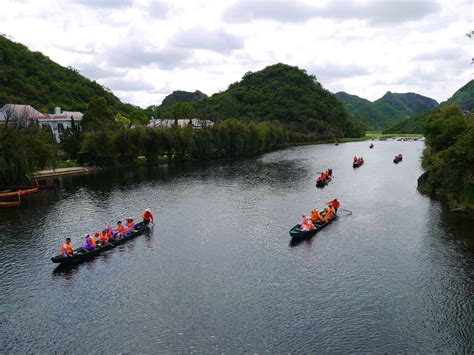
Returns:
<point x="182" y="110"/>
<point x="98" y="116"/>
<point x="71" y="139"/>
<point x="123" y="120"/>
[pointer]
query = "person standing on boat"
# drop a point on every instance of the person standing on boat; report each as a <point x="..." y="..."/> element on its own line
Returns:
<point x="147" y="216"/>
<point x="66" y="248"/>
<point x="334" y="203"/>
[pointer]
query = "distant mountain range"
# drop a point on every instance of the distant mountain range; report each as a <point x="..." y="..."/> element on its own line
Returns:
<point x="464" y="97"/>
<point x="388" y="110"/>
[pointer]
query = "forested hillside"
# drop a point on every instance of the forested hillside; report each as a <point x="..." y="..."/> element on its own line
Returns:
<point x="464" y="98"/>
<point x="388" y="110"/>
<point x="448" y="158"/>
<point x="284" y="93"/>
<point x="183" y="96"/>
<point x="32" y="78"/>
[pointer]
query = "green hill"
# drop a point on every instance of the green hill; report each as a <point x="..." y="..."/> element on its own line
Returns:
<point x="183" y="96"/>
<point x="364" y="108"/>
<point x="388" y="110"/>
<point x="280" y="92"/>
<point x="464" y="97"/>
<point x="32" y="78"/>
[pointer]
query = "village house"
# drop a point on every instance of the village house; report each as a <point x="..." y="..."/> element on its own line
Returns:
<point x="167" y="123"/>
<point x="24" y="114"/>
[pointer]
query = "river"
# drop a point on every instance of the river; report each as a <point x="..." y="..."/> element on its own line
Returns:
<point x="217" y="273"/>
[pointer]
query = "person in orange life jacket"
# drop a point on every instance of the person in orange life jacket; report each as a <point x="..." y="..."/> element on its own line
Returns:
<point x="130" y="225"/>
<point x="315" y="216"/>
<point x="334" y="203"/>
<point x="110" y="233"/>
<point x="66" y="248"/>
<point x="331" y="212"/>
<point x="120" y="230"/>
<point x="147" y="216"/>
<point x="303" y="222"/>
<point x="308" y="224"/>
<point x="103" y="237"/>
<point x="325" y="215"/>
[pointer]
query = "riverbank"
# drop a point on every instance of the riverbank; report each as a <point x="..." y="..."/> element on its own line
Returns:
<point x="82" y="170"/>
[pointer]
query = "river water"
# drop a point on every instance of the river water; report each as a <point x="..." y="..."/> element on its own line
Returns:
<point x="217" y="274"/>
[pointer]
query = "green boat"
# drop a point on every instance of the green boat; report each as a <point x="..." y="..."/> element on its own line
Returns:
<point x="81" y="254"/>
<point x="323" y="183"/>
<point x="297" y="233"/>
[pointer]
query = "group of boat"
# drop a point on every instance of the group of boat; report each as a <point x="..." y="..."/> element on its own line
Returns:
<point x="10" y="196"/>
<point x="301" y="230"/>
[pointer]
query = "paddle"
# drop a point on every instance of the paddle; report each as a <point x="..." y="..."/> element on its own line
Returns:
<point x="343" y="209"/>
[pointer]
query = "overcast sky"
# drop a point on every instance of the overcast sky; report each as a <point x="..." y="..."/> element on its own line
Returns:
<point x="143" y="50"/>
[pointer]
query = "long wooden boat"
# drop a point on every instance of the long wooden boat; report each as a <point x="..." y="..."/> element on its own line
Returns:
<point x="15" y="193"/>
<point x="4" y="204"/>
<point x="356" y="165"/>
<point x="323" y="183"/>
<point x="28" y="187"/>
<point x="297" y="233"/>
<point x="81" y="254"/>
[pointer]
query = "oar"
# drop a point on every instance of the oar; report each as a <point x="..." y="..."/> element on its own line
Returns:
<point x="343" y="209"/>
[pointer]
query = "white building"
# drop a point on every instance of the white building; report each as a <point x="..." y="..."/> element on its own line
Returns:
<point x="196" y="123"/>
<point x="59" y="121"/>
<point x="25" y="114"/>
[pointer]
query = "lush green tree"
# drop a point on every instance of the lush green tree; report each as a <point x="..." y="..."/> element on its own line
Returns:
<point x="71" y="140"/>
<point x="123" y="120"/>
<point x="182" y="110"/>
<point x="138" y="117"/>
<point x="98" y="116"/>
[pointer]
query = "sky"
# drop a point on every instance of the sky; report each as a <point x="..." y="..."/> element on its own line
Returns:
<point x="144" y="49"/>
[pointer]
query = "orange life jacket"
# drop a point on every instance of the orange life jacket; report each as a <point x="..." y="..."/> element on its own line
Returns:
<point x="66" y="248"/>
<point x="120" y="229"/>
<point x="93" y="242"/>
<point x="130" y="225"/>
<point x="103" y="238"/>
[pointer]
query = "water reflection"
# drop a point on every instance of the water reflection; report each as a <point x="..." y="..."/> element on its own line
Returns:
<point x="217" y="268"/>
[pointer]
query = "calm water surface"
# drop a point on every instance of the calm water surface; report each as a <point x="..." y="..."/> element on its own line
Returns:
<point x="218" y="274"/>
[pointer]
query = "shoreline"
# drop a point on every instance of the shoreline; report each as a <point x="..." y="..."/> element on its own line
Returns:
<point x="82" y="170"/>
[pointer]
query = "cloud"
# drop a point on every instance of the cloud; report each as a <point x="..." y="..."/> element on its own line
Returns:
<point x="121" y="84"/>
<point x="137" y="55"/>
<point x="158" y="9"/>
<point x="372" y="11"/>
<point x="93" y="71"/>
<point x="105" y="4"/>
<point x="445" y="53"/>
<point x="218" y="41"/>
<point x="333" y="71"/>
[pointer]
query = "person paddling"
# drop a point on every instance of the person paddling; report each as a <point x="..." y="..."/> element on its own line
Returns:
<point x="66" y="248"/>
<point x="147" y="216"/>
<point x="334" y="203"/>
